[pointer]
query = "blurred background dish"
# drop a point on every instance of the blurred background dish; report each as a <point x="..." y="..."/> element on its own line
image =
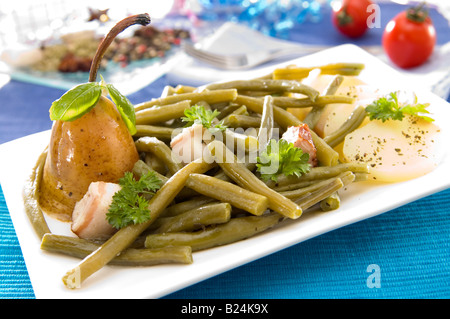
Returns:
<point x="53" y="43"/>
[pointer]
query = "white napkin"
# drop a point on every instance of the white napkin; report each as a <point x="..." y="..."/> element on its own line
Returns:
<point x="232" y="38"/>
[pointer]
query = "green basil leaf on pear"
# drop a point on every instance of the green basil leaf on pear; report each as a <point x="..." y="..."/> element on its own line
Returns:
<point x="76" y="102"/>
<point x="126" y="109"/>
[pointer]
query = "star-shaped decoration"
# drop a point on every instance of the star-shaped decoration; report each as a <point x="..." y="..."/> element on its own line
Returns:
<point x="100" y="15"/>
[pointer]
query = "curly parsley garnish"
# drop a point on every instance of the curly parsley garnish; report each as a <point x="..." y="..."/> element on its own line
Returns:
<point x="197" y="114"/>
<point x="130" y="205"/>
<point x="280" y="158"/>
<point x="388" y="107"/>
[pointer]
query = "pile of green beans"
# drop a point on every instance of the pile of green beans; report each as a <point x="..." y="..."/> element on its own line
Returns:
<point x="214" y="201"/>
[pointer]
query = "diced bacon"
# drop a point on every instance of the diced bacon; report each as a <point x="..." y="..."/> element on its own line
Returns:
<point x="301" y="137"/>
<point x="89" y="215"/>
<point x="188" y="145"/>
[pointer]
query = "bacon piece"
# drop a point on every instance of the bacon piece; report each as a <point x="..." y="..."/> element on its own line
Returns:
<point x="301" y="137"/>
<point x="89" y="215"/>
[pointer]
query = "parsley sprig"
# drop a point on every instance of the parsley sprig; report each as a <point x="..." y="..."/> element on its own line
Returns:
<point x="282" y="158"/>
<point x="197" y="114"/>
<point x="130" y="205"/>
<point x="388" y="107"/>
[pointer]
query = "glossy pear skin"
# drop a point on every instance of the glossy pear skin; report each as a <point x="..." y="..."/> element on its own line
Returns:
<point x="94" y="147"/>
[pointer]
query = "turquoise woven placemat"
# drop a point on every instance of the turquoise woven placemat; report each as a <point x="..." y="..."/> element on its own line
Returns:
<point x="14" y="279"/>
<point x="410" y="245"/>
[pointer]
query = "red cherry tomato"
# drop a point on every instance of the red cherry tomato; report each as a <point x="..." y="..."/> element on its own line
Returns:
<point x="409" y="38"/>
<point x="350" y="18"/>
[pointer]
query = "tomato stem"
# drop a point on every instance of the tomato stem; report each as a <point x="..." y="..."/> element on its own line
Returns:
<point x="418" y="13"/>
<point x="143" y="19"/>
<point x="343" y="17"/>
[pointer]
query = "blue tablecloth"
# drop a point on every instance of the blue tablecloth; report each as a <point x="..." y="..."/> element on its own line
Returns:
<point x="410" y="245"/>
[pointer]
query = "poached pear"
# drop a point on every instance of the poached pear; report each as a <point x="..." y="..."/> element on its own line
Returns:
<point x="96" y="146"/>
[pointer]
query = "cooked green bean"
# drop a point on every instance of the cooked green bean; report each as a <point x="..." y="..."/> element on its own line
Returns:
<point x="293" y="186"/>
<point x="211" y="97"/>
<point x="300" y="192"/>
<point x="221" y="174"/>
<point x="160" y="132"/>
<point x="159" y="114"/>
<point x="31" y="197"/>
<point x="344" y="68"/>
<point x="193" y="203"/>
<point x="325" y="154"/>
<point x="351" y="124"/>
<point x="334" y="85"/>
<point x="262" y="94"/>
<point x="314" y="115"/>
<point x="266" y="85"/>
<point x="240" y="141"/>
<point x="241" y="110"/>
<point x="217" y="213"/>
<point x="80" y="248"/>
<point x="267" y="123"/>
<point x="298" y="73"/>
<point x="205" y="105"/>
<point x="332" y="202"/>
<point x="244" y="121"/>
<point x="327" y="195"/>
<point x="360" y="177"/>
<point x="140" y="168"/>
<point x="245" y="178"/>
<point x="286" y="102"/>
<point x="320" y="194"/>
<point x="320" y="172"/>
<point x="124" y="237"/>
<point x="236" y="229"/>
<point x="155" y="163"/>
<point x="227" y="192"/>
<point x="167" y="91"/>
<point x="180" y="89"/>
<point x="308" y="182"/>
<point x="159" y="149"/>
<point x="230" y="109"/>
<point x="347" y="178"/>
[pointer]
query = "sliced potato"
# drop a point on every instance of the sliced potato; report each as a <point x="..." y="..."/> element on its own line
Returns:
<point x="336" y="114"/>
<point x="395" y="150"/>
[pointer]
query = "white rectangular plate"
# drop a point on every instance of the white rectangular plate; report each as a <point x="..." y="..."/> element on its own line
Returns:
<point x="358" y="203"/>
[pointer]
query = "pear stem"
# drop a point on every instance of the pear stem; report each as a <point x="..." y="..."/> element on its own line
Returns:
<point x="143" y="19"/>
